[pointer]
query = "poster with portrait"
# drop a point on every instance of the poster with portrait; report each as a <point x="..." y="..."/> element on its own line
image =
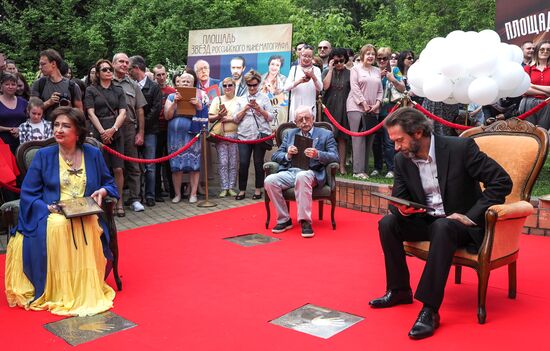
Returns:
<point x="231" y="52"/>
<point x="520" y="21"/>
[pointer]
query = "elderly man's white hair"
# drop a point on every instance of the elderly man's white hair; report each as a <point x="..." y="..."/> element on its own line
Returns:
<point x="197" y="63"/>
<point x="303" y="108"/>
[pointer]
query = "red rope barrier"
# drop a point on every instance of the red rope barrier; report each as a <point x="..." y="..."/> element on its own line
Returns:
<point x="439" y="119"/>
<point x="534" y="109"/>
<point x="154" y="160"/>
<point x="10" y="188"/>
<point x="255" y="141"/>
<point x="349" y="132"/>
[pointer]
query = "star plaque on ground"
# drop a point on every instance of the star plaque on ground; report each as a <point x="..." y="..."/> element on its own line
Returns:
<point x="248" y="240"/>
<point x="78" y="330"/>
<point x="317" y="321"/>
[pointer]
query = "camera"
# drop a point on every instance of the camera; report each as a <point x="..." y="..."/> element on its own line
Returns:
<point x="64" y="100"/>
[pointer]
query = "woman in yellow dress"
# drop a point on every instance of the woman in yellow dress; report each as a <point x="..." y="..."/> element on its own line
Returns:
<point x="54" y="263"/>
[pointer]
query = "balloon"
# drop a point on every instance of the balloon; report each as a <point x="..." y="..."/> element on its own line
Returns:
<point x="416" y="73"/>
<point x="450" y="101"/>
<point x="437" y="87"/>
<point x="456" y="36"/>
<point x="483" y="91"/>
<point x="517" y="53"/>
<point x="522" y="87"/>
<point x="508" y="75"/>
<point x="482" y="63"/>
<point x="460" y="90"/>
<point x="490" y="39"/>
<point x="417" y="91"/>
<point x="452" y="67"/>
<point x="505" y="52"/>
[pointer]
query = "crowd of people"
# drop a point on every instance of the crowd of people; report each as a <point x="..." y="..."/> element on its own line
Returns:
<point x="131" y="108"/>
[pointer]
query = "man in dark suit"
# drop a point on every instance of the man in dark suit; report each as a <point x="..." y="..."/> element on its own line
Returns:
<point x="322" y="152"/>
<point x="445" y="174"/>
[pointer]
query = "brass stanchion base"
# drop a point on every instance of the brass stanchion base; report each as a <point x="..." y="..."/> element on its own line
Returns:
<point x="206" y="203"/>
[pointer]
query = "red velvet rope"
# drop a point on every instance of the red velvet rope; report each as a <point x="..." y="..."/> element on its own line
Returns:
<point x="463" y="127"/>
<point x="154" y="160"/>
<point x="439" y="119"/>
<point x="255" y="141"/>
<point x="534" y="109"/>
<point x="10" y="188"/>
<point x="355" y="134"/>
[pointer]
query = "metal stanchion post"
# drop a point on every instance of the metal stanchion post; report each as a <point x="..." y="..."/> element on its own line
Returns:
<point x="206" y="202"/>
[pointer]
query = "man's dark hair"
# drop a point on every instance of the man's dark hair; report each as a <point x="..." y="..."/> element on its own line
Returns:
<point x="410" y="120"/>
<point x="77" y="117"/>
<point x="139" y="62"/>
<point x="52" y="55"/>
<point x="526" y="42"/>
<point x="339" y="52"/>
<point x="239" y="58"/>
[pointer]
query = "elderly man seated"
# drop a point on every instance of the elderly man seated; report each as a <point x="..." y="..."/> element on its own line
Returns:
<point x="322" y="152"/>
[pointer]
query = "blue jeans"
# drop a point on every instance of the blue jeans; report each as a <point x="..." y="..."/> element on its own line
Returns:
<point x="149" y="152"/>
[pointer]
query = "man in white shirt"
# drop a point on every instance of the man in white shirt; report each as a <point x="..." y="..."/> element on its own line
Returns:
<point x="425" y="174"/>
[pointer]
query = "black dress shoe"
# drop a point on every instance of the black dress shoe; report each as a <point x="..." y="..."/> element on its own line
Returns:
<point x="257" y="196"/>
<point x="150" y="202"/>
<point x="159" y="199"/>
<point x="392" y="298"/>
<point x="425" y="325"/>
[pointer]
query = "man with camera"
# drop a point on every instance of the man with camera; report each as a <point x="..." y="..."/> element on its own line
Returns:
<point x="52" y="88"/>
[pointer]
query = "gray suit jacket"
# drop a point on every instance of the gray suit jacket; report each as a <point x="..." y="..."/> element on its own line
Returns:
<point x="323" y="141"/>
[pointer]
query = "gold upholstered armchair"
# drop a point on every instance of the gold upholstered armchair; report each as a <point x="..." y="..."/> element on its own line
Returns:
<point x="10" y="210"/>
<point x="521" y="149"/>
<point x="326" y="192"/>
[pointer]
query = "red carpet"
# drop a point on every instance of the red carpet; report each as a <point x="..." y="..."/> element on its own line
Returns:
<point x="187" y="289"/>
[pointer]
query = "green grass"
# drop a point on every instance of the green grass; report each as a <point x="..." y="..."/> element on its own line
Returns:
<point x="542" y="186"/>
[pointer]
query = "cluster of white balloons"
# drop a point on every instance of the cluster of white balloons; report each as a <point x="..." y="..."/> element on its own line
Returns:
<point x="467" y="67"/>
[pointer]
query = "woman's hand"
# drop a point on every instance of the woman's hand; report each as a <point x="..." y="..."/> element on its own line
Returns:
<point x="222" y="112"/>
<point x="194" y="101"/>
<point x="177" y="97"/>
<point x="98" y="195"/>
<point x="14" y="132"/>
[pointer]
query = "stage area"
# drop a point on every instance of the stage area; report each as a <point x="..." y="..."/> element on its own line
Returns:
<point x="186" y="288"/>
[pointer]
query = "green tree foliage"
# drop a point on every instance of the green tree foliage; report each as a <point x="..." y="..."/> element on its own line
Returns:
<point x="84" y="31"/>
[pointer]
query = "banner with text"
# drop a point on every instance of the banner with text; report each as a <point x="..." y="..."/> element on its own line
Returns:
<point x="521" y="21"/>
<point x="232" y="52"/>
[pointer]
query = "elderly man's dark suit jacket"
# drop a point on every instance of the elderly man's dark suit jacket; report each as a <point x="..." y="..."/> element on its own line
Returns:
<point x="461" y="166"/>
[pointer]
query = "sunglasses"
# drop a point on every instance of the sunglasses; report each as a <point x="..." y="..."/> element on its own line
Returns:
<point x="252" y="85"/>
<point x="409" y="58"/>
<point x="338" y="61"/>
<point x="544" y="49"/>
<point x="106" y="69"/>
<point x="322" y="47"/>
<point x="382" y="58"/>
<point x="357" y="60"/>
<point x="393" y="58"/>
<point x="227" y="85"/>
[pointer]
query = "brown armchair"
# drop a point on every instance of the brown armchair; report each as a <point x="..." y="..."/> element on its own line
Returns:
<point x="327" y="192"/>
<point x="10" y="210"/>
<point x="521" y="149"/>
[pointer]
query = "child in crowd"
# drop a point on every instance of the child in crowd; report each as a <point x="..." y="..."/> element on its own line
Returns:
<point x="35" y="128"/>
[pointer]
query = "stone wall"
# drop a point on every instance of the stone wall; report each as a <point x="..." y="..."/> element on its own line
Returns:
<point x="356" y="195"/>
